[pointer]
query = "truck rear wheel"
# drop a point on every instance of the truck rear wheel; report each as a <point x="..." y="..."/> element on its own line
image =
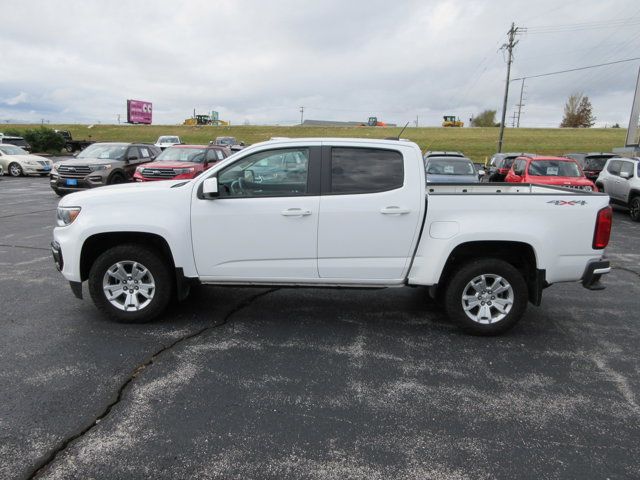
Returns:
<point x="131" y="283"/>
<point x="486" y="296"/>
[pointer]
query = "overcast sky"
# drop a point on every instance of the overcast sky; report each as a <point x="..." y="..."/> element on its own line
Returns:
<point x="259" y="61"/>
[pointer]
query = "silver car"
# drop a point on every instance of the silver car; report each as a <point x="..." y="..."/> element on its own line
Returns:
<point x="451" y="170"/>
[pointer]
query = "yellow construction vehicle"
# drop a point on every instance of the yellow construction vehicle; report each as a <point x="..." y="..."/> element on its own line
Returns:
<point x="452" y="121"/>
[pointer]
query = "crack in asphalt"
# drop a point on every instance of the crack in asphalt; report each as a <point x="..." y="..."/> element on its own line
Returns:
<point x="615" y="267"/>
<point x="24" y="246"/>
<point x="53" y="455"/>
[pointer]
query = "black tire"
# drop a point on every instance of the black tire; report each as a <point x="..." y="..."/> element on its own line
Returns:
<point x="15" y="170"/>
<point x="155" y="263"/>
<point x="116" y="178"/>
<point x="60" y="193"/>
<point x="458" y="285"/>
<point x="634" y="209"/>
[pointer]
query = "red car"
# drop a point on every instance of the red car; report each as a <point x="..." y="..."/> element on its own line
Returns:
<point x="181" y="162"/>
<point x="560" y="171"/>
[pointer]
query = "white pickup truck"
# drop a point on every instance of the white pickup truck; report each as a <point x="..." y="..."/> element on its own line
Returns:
<point x="331" y="212"/>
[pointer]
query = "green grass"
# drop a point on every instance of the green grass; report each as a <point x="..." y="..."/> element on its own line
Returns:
<point x="477" y="143"/>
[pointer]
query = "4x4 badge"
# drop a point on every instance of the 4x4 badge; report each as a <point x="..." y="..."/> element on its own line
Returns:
<point x="568" y="202"/>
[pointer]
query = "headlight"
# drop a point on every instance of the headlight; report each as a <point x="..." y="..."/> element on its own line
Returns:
<point x="139" y="169"/>
<point x="180" y="171"/>
<point x="99" y="167"/>
<point x="66" y="215"/>
<point x="55" y="167"/>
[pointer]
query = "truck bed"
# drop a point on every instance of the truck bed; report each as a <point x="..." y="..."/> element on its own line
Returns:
<point x="503" y="188"/>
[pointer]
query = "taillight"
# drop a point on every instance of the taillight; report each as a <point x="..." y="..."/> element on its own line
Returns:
<point x="603" y="228"/>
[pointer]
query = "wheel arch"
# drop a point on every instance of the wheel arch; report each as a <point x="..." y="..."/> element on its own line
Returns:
<point x="519" y="254"/>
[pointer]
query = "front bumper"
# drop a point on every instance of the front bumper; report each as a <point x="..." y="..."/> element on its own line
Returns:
<point x="594" y="271"/>
<point x="60" y="183"/>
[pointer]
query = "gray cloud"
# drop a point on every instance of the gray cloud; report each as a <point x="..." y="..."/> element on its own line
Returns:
<point x="259" y="61"/>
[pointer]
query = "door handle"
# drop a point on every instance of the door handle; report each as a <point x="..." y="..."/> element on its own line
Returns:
<point x="295" y="212"/>
<point x="393" y="210"/>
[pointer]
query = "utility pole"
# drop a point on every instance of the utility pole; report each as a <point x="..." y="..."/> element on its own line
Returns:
<point x="509" y="46"/>
<point x="513" y="119"/>
<point x="416" y="121"/>
<point x="520" y="104"/>
<point x="301" y="115"/>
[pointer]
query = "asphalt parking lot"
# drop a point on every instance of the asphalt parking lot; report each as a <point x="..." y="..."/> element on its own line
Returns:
<point x="309" y="383"/>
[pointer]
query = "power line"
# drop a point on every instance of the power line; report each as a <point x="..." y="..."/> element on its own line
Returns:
<point x="577" y="69"/>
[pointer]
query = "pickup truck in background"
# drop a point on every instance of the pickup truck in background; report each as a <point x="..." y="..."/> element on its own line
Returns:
<point x="71" y="145"/>
<point x="340" y="213"/>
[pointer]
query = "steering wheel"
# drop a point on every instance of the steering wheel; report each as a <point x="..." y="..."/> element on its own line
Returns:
<point x="236" y="188"/>
<point x="239" y="187"/>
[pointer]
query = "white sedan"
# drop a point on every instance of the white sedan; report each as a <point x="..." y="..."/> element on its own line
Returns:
<point x="18" y="162"/>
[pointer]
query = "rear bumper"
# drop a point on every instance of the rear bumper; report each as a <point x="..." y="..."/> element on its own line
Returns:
<point x="594" y="271"/>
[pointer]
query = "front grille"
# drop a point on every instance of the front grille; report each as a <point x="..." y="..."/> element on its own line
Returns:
<point x="44" y="163"/>
<point x="158" y="172"/>
<point x="74" y="171"/>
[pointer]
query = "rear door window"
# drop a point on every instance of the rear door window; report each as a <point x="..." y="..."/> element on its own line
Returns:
<point x="626" y="167"/>
<point x="365" y="170"/>
<point x="614" y="167"/>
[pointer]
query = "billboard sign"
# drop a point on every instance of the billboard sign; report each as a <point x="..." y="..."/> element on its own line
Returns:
<point x="138" y="111"/>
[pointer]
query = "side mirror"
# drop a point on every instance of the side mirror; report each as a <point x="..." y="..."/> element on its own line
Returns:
<point x="210" y="188"/>
<point x="625" y="175"/>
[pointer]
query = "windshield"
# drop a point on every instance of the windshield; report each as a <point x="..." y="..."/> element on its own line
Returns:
<point x="554" y="168"/>
<point x="595" y="163"/>
<point x="168" y="140"/>
<point x="449" y="167"/>
<point x="12" y="150"/>
<point x="181" y="155"/>
<point x="104" y="151"/>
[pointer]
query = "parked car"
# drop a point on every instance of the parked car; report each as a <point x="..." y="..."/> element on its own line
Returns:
<point x="18" y="162"/>
<point x="101" y="164"/>
<point x="559" y="171"/>
<point x="451" y="170"/>
<point x="166" y="141"/>
<point x="500" y="164"/>
<point x="230" y="142"/>
<point x="1" y="170"/>
<point x="620" y="178"/>
<point x="436" y="153"/>
<point x="181" y="162"/>
<point x="17" y="141"/>
<point x="351" y="214"/>
<point x="591" y="163"/>
<point x="71" y="145"/>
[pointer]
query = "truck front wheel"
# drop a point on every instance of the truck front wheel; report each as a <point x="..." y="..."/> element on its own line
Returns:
<point x="131" y="283"/>
<point x="486" y="296"/>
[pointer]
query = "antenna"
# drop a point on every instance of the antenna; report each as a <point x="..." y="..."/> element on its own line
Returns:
<point x="403" y="129"/>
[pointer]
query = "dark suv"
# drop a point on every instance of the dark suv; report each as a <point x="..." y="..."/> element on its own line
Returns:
<point x="17" y="141"/>
<point x="101" y="164"/>
<point x="500" y="165"/>
<point x="591" y="163"/>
